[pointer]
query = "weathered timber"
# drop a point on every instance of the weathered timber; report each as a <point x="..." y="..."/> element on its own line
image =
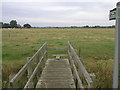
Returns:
<point x="56" y="74"/>
<point x="75" y="72"/>
<point x="57" y="48"/>
<point x="34" y="72"/>
<point x="29" y="71"/>
<point x="17" y="77"/>
<point x="79" y="65"/>
<point x="58" y="55"/>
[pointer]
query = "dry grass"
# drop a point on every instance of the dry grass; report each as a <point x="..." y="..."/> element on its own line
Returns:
<point x="96" y="49"/>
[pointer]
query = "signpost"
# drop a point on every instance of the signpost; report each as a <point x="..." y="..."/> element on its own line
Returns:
<point x="115" y="15"/>
<point x="112" y="14"/>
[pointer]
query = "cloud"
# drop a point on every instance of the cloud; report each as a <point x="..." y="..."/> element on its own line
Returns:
<point x="59" y="8"/>
<point x="58" y="12"/>
<point x="60" y="1"/>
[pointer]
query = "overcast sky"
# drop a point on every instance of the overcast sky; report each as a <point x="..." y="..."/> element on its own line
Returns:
<point x="58" y="12"/>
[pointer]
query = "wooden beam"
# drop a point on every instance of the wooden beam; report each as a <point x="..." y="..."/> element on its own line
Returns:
<point x="57" y="48"/>
<point x="29" y="71"/>
<point x="75" y="72"/>
<point x="35" y="71"/>
<point x="24" y="68"/>
<point x="80" y="65"/>
<point x="58" y="55"/>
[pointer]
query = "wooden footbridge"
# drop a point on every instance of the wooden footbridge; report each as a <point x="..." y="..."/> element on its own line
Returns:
<point x="62" y="71"/>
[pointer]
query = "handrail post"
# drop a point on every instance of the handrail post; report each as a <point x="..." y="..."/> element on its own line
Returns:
<point x="29" y="70"/>
<point x="46" y="51"/>
<point x="38" y="57"/>
<point x="93" y="78"/>
<point x="79" y="52"/>
<point x="11" y="85"/>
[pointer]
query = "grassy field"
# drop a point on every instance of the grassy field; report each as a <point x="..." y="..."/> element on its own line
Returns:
<point x="96" y="49"/>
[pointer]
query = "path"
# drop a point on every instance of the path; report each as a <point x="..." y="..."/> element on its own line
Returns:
<point x="56" y="74"/>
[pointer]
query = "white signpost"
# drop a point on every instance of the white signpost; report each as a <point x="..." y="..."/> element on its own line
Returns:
<point x="115" y="15"/>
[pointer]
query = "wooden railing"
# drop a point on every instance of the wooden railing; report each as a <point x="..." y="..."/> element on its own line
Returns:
<point x="36" y="63"/>
<point x="51" y="49"/>
<point x="39" y="57"/>
<point x="79" y="72"/>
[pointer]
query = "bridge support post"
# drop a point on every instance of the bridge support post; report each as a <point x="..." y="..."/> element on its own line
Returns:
<point x="10" y="77"/>
<point x="37" y="60"/>
<point x="29" y="70"/>
<point x="92" y="75"/>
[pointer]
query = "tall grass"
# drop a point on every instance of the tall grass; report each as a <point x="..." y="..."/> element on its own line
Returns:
<point x="96" y="49"/>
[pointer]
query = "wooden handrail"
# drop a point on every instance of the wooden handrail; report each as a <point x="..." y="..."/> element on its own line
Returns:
<point x="57" y="54"/>
<point x="74" y="61"/>
<point x="75" y="57"/>
<point x="14" y="80"/>
<point x="57" y="48"/>
<point x="35" y="70"/>
<point x="75" y="71"/>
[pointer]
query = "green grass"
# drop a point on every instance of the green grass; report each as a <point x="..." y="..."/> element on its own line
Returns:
<point x="96" y="49"/>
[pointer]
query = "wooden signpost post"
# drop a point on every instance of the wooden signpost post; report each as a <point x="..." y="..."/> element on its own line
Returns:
<point x="115" y="15"/>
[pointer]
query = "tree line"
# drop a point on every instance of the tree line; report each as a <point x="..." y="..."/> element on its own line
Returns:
<point x="112" y="26"/>
<point x="13" y="24"/>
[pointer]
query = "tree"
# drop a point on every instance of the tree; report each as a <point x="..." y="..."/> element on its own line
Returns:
<point x="13" y="24"/>
<point x="86" y="26"/>
<point x="1" y="24"/>
<point x="27" y="26"/>
<point x="6" y="25"/>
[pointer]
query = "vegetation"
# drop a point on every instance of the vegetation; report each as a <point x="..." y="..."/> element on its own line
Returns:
<point x="96" y="49"/>
<point x="6" y="25"/>
<point x="13" y="24"/>
<point x="27" y="26"/>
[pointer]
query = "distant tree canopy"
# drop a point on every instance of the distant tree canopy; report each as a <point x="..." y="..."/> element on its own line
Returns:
<point x="1" y="24"/>
<point x="27" y="26"/>
<point x="6" y="25"/>
<point x="13" y="24"/>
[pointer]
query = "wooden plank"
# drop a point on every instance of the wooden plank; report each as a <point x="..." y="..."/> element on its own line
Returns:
<point x="57" y="48"/>
<point x="41" y="48"/>
<point x="84" y="71"/>
<point x="80" y="65"/>
<point x="10" y="77"/>
<point x="35" y="71"/>
<point x="75" y="72"/>
<point x="58" y="55"/>
<point x="92" y="75"/>
<point x="56" y="74"/>
<point x="29" y="70"/>
<point x="18" y="75"/>
<point x="24" y="68"/>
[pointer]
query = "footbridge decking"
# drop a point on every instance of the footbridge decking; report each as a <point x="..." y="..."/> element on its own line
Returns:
<point x="44" y="70"/>
<point x="56" y="74"/>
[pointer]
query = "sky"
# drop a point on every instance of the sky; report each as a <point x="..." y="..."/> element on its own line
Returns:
<point x="42" y="13"/>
